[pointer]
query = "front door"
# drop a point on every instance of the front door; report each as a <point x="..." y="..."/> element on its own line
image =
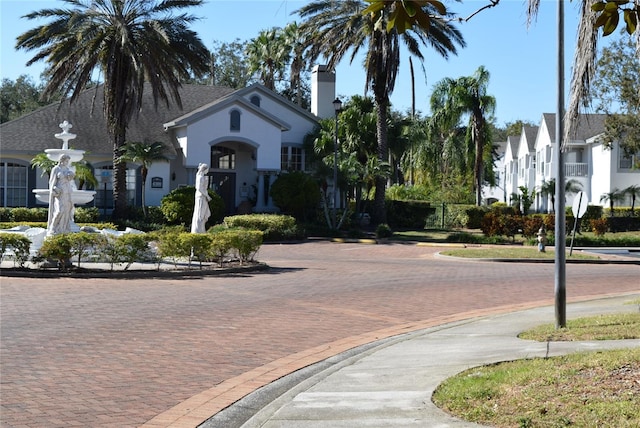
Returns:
<point x="224" y="184"/>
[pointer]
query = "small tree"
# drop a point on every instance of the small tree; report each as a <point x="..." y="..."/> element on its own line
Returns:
<point x="612" y="197"/>
<point x="526" y="199"/>
<point x="634" y="192"/>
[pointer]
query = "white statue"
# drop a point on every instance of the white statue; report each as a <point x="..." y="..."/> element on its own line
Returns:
<point x="201" y="210"/>
<point x="61" y="184"/>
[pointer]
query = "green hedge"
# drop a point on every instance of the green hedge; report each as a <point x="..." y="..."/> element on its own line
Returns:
<point x="464" y="216"/>
<point x="408" y="214"/>
<point x="274" y="227"/>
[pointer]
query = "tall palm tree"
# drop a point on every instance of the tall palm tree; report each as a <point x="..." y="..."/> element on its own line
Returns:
<point x="293" y="38"/>
<point x="468" y="96"/>
<point x="336" y="28"/>
<point x="129" y="42"/>
<point x="634" y="192"/>
<point x="268" y="55"/>
<point x="144" y="154"/>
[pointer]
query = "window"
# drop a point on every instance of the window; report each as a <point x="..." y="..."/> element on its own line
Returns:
<point x="291" y="158"/>
<point x="628" y="161"/>
<point x="234" y="120"/>
<point x="13" y="184"/>
<point x="223" y="158"/>
<point x="255" y="100"/>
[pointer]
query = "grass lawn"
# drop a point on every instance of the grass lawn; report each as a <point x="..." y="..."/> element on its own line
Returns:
<point x="511" y="253"/>
<point x="583" y="389"/>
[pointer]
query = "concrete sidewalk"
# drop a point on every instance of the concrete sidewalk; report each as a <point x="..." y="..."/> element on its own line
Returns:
<point x="390" y="383"/>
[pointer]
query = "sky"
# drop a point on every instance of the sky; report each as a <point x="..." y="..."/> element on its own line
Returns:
<point x="522" y="61"/>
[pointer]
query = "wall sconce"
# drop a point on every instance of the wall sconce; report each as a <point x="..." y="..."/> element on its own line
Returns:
<point x="173" y="176"/>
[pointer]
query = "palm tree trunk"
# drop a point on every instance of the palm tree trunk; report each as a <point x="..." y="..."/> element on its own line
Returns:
<point x="119" y="179"/>
<point x="379" y="209"/>
<point x="478" y="167"/>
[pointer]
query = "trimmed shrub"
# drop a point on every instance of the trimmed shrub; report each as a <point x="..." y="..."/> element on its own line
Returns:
<point x="221" y="245"/>
<point x="86" y="215"/>
<point x="177" y="206"/>
<point x="297" y="194"/>
<point x="82" y="243"/>
<point x="128" y="248"/>
<point x="5" y="214"/>
<point x="58" y="248"/>
<point x="623" y="224"/>
<point x="246" y="243"/>
<point x="273" y="226"/>
<point x="383" y="231"/>
<point x="196" y="246"/>
<point x="21" y="214"/>
<point x="18" y="243"/>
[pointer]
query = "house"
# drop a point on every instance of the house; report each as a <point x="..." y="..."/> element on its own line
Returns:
<point x="246" y="136"/>
<point x="588" y="163"/>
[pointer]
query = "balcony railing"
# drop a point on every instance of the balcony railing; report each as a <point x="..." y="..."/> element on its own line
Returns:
<point x="576" y="169"/>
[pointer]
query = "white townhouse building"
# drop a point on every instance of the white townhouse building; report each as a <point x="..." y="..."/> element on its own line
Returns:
<point x="530" y="160"/>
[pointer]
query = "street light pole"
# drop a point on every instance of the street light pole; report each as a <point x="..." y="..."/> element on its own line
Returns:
<point x="337" y="106"/>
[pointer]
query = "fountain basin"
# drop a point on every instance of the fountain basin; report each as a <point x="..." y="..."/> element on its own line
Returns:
<point x="78" y="197"/>
<point x="75" y="155"/>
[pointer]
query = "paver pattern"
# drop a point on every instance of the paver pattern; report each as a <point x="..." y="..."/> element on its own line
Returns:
<point x="120" y="352"/>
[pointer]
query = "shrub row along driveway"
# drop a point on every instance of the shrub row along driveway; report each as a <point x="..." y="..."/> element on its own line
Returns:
<point x="118" y="352"/>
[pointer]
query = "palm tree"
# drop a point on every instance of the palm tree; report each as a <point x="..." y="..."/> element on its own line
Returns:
<point x="129" y="42"/>
<point x="144" y="154"/>
<point x="548" y="188"/>
<point x="454" y="98"/>
<point x="294" y="39"/>
<point x="268" y="55"/>
<point x="614" y="196"/>
<point x="634" y="192"/>
<point x="335" y="28"/>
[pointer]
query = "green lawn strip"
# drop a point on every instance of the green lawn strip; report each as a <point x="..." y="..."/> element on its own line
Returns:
<point x="602" y="327"/>
<point x="581" y="389"/>
<point x="511" y="253"/>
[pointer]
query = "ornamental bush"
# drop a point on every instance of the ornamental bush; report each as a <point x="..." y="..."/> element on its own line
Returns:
<point x="297" y="194"/>
<point x="177" y="206"/>
<point x="58" y="248"/>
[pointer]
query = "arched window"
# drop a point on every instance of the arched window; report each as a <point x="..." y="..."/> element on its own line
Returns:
<point x="223" y="158"/>
<point x="255" y="100"/>
<point x="234" y="120"/>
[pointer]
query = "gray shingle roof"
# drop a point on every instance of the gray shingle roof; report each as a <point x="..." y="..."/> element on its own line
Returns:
<point x="589" y="125"/>
<point x="34" y="132"/>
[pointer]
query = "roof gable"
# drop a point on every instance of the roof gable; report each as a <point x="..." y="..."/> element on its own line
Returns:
<point x="231" y="100"/>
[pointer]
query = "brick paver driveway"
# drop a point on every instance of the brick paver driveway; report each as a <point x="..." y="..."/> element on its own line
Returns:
<point x="119" y="352"/>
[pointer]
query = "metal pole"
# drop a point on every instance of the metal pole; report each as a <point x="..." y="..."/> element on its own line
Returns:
<point x="560" y="242"/>
<point x="335" y="176"/>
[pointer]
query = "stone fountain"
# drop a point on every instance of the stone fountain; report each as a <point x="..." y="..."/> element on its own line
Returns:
<point x="79" y="197"/>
